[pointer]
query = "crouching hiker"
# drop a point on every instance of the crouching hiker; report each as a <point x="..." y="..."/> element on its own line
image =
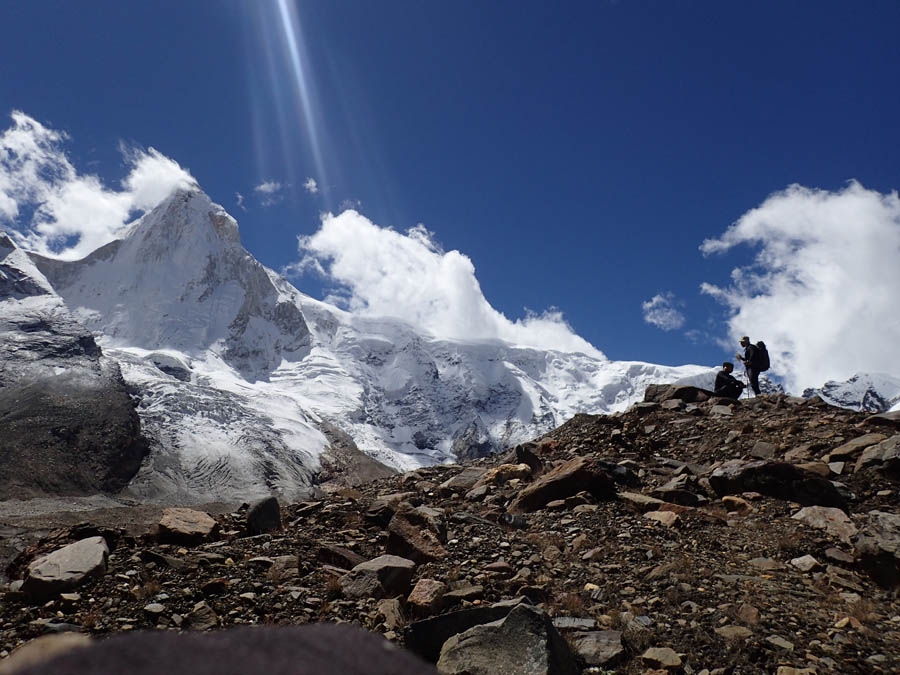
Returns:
<point x="727" y="385"/>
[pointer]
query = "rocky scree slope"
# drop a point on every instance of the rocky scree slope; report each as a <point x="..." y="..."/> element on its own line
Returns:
<point x="688" y="534"/>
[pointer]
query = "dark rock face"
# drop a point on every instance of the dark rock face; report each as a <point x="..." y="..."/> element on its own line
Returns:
<point x="878" y="548"/>
<point x="776" y="479"/>
<point x="67" y="423"/>
<point x="264" y="516"/>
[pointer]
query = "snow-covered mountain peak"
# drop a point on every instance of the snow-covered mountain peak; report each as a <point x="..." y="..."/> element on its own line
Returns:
<point x="871" y="392"/>
<point x="186" y="217"/>
<point x="180" y="279"/>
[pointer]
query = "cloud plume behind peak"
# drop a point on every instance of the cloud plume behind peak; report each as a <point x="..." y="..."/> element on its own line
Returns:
<point x="382" y="272"/>
<point x="51" y="209"/>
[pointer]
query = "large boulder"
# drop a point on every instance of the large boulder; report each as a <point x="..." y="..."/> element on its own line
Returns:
<point x="186" y="526"/>
<point x="264" y="516"/>
<point x="878" y="548"/>
<point x="658" y="393"/>
<point x="524" y="643"/>
<point x="66" y="568"/>
<point x="384" y="577"/>
<point x="417" y="534"/>
<point x="427" y="637"/>
<point x="776" y="479"/>
<point x="834" y="521"/>
<point x="582" y="474"/>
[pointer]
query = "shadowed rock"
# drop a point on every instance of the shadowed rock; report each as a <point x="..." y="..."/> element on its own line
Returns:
<point x="524" y="643"/>
<point x="264" y="516"/>
<point x="878" y="548"/>
<point x="775" y="479"/>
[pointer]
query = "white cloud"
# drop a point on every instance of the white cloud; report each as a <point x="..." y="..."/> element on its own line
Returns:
<point x="269" y="187"/>
<point x="382" y="272"/>
<point x="311" y="186"/>
<point x="69" y="214"/>
<point x="269" y="193"/>
<point x="823" y="289"/>
<point x="661" y="311"/>
<point x="239" y="198"/>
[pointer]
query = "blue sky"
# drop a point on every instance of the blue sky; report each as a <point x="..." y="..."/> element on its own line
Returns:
<point x="578" y="154"/>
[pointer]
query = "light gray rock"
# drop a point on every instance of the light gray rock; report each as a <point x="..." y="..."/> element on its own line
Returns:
<point x="66" y="568"/>
<point x="763" y="450"/>
<point x="384" y="576"/>
<point x="805" y="563"/>
<point x="734" y="632"/>
<point x="600" y="647"/>
<point x="834" y="521"/>
<point x="849" y="450"/>
<point x="885" y="455"/>
<point x="524" y="643"/>
<point x="462" y="482"/>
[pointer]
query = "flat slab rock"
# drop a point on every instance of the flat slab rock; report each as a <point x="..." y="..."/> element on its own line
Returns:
<point x="66" y="568"/>
<point x="181" y="525"/>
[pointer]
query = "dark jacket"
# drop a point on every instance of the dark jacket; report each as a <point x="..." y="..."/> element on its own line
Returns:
<point x="728" y="386"/>
<point x="750" y="357"/>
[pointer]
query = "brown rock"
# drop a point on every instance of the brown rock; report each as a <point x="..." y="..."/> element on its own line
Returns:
<point x="577" y="475"/>
<point x="186" y="526"/>
<point x="666" y="518"/>
<point x="427" y="595"/>
<point x="504" y="473"/>
<point x="414" y="534"/>
<point x="391" y="611"/>
<point x="661" y="657"/>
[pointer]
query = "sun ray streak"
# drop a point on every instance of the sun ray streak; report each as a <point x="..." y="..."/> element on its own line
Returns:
<point x="293" y="35"/>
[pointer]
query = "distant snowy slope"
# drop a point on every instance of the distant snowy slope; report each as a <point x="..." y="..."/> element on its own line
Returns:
<point x="871" y="392"/>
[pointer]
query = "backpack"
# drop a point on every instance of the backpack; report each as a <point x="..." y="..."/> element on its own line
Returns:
<point x="761" y="357"/>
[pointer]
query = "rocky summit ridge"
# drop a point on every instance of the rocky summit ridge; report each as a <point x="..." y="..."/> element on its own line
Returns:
<point x="686" y="534"/>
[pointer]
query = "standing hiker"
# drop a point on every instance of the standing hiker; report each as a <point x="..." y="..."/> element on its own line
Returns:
<point x="727" y="385"/>
<point x="750" y="359"/>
